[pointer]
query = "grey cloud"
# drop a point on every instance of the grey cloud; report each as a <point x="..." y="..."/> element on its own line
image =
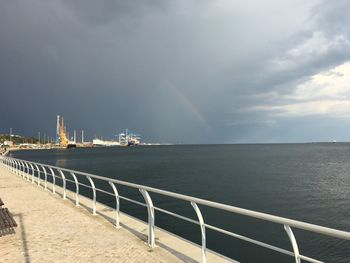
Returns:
<point x="108" y="11"/>
<point x="332" y="18"/>
<point x="174" y="71"/>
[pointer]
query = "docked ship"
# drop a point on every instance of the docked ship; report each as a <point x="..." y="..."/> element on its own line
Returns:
<point x="71" y="144"/>
<point x="129" y="139"/>
<point x="103" y="143"/>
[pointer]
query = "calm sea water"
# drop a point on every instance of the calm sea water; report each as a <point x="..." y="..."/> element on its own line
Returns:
<point x="308" y="182"/>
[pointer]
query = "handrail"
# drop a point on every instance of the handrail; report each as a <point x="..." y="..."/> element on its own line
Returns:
<point x="285" y="222"/>
<point x="263" y="216"/>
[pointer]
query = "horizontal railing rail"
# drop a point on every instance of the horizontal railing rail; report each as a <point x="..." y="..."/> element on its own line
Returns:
<point x="33" y="170"/>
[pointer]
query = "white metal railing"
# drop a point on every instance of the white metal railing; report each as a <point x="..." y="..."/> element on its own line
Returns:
<point x="27" y="169"/>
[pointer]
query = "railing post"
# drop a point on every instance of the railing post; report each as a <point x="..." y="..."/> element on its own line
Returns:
<point x="37" y="168"/>
<point x="25" y="167"/>
<point x="294" y="243"/>
<point x="13" y="166"/>
<point x="150" y="210"/>
<point x="202" y="225"/>
<point x="45" y="174"/>
<point x="76" y="189"/>
<point x="18" y="167"/>
<point x="27" y="171"/>
<point x="21" y="168"/>
<point x="117" y="204"/>
<point x="64" y="185"/>
<point x="12" y="169"/>
<point x="53" y="180"/>
<point x="21" y="165"/>
<point x="94" y="195"/>
<point x="32" y="172"/>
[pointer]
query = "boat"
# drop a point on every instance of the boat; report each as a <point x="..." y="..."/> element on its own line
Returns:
<point x="129" y="139"/>
<point x="71" y="145"/>
<point x="99" y="142"/>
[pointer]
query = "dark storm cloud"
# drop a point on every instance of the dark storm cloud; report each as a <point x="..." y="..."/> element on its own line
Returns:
<point x="109" y="11"/>
<point x="174" y="71"/>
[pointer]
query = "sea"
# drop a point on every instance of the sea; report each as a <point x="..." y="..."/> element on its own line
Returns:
<point x="307" y="182"/>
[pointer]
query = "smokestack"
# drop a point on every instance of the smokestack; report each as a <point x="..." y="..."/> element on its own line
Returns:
<point x="82" y="136"/>
<point x="75" y="136"/>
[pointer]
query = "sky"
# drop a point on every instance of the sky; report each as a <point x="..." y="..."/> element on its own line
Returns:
<point x="180" y="71"/>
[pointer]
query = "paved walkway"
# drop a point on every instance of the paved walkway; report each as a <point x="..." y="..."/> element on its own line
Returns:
<point x="52" y="230"/>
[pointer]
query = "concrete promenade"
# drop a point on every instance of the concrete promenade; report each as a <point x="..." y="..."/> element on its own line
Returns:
<point x="54" y="230"/>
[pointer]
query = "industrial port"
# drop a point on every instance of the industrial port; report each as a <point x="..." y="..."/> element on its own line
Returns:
<point x="64" y="141"/>
<point x="62" y="138"/>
